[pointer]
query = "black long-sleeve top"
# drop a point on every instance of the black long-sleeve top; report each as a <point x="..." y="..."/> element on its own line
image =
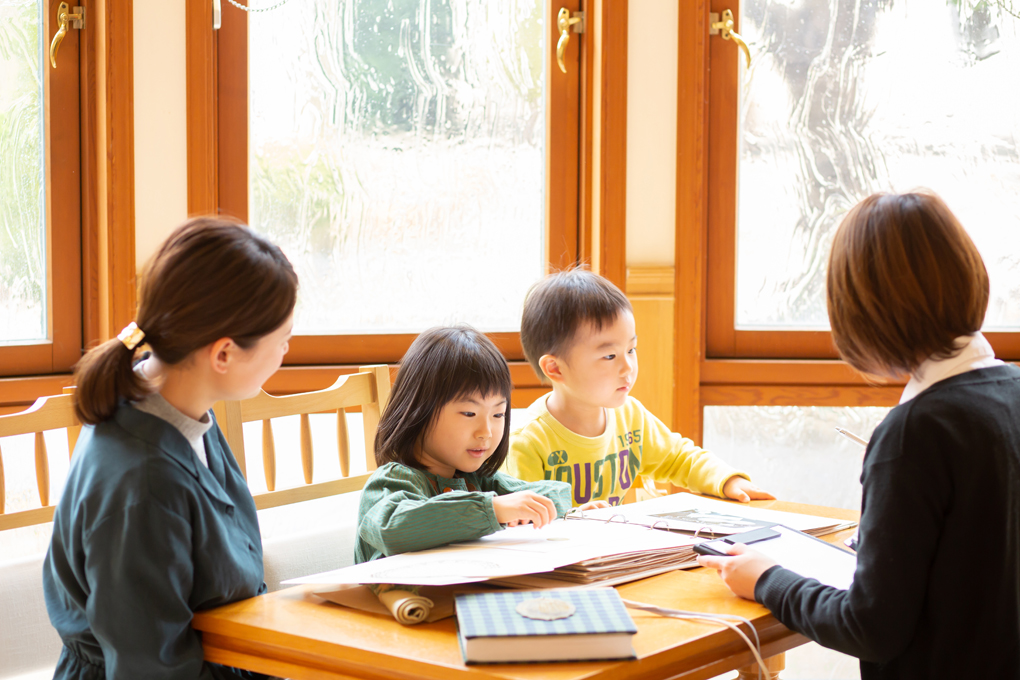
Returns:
<point x="936" y="593"/>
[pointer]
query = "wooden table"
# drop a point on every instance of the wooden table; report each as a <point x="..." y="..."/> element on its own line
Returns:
<point x="294" y="634"/>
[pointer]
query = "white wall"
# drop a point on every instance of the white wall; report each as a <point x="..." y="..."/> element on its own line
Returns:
<point x="161" y="158"/>
<point x="651" y="131"/>
<point x="161" y="195"/>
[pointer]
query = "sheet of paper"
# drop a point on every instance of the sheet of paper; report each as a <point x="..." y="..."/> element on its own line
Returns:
<point x="688" y="512"/>
<point x="810" y="557"/>
<point x="577" y="541"/>
<point x="435" y="568"/>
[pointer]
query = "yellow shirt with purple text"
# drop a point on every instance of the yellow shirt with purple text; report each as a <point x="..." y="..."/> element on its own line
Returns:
<point x="634" y="443"/>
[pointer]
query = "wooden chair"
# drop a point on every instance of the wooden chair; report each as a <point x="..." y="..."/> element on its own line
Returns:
<point x="368" y="389"/>
<point x="47" y="413"/>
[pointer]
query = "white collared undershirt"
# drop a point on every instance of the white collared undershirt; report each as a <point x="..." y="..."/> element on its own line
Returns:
<point x="974" y="352"/>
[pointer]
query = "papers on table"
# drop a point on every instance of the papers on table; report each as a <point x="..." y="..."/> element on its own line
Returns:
<point x="614" y="546"/>
<point x="588" y="547"/>
<point x="688" y="513"/>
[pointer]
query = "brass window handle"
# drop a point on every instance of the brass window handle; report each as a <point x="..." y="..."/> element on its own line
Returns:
<point x="64" y="17"/>
<point x="564" y="22"/>
<point x="725" y="28"/>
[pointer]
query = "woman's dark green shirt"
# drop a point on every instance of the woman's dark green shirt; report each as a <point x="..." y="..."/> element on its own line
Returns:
<point x="145" y="535"/>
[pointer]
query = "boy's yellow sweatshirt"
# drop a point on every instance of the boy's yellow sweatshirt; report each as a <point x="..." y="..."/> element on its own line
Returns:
<point x="634" y="443"/>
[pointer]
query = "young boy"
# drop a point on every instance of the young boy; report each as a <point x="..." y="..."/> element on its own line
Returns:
<point x="578" y="332"/>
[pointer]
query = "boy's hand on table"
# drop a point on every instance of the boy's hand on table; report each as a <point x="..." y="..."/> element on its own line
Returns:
<point x="524" y="507"/>
<point x="741" y="571"/>
<point x="739" y="489"/>
<point x="594" y="505"/>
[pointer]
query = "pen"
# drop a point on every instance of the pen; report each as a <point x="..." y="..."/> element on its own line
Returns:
<point x="851" y="436"/>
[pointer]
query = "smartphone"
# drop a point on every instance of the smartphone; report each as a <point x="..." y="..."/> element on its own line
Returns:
<point x="720" y="546"/>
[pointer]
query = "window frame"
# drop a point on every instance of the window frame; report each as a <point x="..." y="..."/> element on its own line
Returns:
<point x="716" y="364"/>
<point x="724" y="339"/>
<point x="90" y="202"/>
<point x="585" y="166"/>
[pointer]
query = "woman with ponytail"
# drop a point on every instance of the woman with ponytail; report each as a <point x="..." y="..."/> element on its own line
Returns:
<point x="156" y="520"/>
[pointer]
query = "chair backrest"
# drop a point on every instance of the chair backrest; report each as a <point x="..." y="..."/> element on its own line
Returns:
<point x="47" y="413"/>
<point x="368" y="389"/>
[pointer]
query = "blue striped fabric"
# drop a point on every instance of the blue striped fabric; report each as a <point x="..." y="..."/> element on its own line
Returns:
<point x="599" y="610"/>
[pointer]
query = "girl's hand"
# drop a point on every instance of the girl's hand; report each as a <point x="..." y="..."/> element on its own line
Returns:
<point x="739" y="489"/>
<point x="594" y="505"/>
<point x="524" y="507"/>
<point x="741" y="571"/>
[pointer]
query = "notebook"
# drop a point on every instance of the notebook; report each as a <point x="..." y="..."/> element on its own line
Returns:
<point x="498" y="627"/>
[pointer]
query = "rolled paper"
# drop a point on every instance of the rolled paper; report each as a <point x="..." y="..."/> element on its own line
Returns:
<point x="404" y="602"/>
<point x="406" y="607"/>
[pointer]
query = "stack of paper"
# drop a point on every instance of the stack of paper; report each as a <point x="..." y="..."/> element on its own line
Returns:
<point x="616" y="553"/>
<point x="595" y="551"/>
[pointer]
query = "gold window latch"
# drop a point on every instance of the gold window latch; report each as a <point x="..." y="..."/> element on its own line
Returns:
<point x="65" y="17"/>
<point x="724" y="27"/>
<point x="565" y="22"/>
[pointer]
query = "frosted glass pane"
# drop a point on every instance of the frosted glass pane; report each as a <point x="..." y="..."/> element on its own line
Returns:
<point x="794" y="451"/>
<point x="22" y="225"/>
<point x="397" y="157"/>
<point x="848" y="98"/>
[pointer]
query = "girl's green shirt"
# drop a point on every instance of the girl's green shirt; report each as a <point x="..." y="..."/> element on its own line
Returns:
<point x="404" y="509"/>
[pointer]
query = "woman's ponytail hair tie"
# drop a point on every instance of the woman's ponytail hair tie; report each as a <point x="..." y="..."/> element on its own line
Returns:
<point x="131" y="336"/>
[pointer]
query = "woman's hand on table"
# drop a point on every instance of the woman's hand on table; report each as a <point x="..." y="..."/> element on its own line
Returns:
<point x="741" y="570"/>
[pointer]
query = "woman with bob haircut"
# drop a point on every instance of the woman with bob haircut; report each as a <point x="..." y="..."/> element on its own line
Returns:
<point x="440" y="443"/>
<point x="156" y="520"/>
<point x="936" y="593"/>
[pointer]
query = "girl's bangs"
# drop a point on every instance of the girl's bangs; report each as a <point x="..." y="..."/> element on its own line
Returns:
<point x="480" y="372"/>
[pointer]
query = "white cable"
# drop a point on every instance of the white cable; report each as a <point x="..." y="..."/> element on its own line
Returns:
<point x="728" y="620"/>
<point x="259" y="9"/>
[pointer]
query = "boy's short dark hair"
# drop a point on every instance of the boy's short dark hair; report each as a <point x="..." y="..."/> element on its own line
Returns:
<point x="560" y="304"/>
<point x="904" y="281"/>
<point x="442" y="365"/>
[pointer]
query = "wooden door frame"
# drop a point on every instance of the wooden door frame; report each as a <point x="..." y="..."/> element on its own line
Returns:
<point x="588" y="198"/>
<point x="94" y="295"/>
<point x="108" y="225"/>
<point x="62" y="214"/>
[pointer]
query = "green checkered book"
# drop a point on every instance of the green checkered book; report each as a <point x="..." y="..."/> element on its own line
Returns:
<point x="491" y="629"/>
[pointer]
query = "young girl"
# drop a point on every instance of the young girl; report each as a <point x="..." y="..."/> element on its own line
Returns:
<point x="937" y="588"/>
<point x="441" y="440"/>
<point x="156" y="520"/>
